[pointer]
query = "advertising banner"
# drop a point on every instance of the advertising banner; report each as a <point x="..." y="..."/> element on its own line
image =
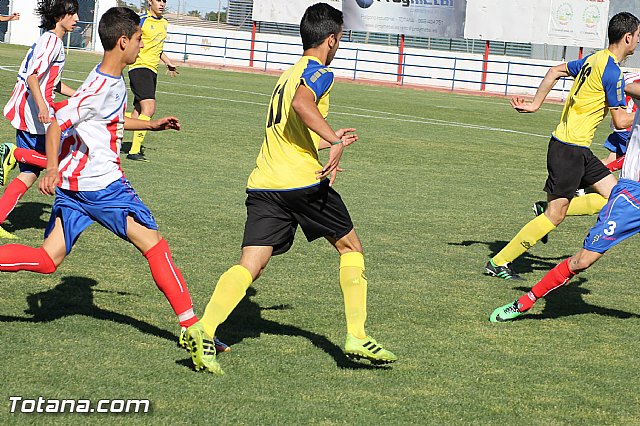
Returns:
<point x="286" y="12"/>
<point x="581" y="23"/>
<point x="425" y="18"/>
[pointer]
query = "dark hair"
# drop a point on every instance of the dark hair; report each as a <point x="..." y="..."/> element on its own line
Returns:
<point x="51" y="11"/>
<point x="319" y="22"/>
<point x="621" y="24"/>
<point x="115" y="23"/>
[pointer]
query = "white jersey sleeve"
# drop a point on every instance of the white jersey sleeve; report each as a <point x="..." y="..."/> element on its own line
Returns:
<point x="631" y="166"/>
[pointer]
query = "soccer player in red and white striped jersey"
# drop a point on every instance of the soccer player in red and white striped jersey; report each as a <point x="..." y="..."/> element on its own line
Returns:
<point x="31" y="104"/>
<point x="83" y="170"/>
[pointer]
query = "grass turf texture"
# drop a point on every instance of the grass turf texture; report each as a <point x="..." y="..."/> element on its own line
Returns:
<point x="434" y="188"/>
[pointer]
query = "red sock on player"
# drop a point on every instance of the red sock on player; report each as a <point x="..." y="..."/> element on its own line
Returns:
<point x="15" y="190"/>
<point x="16" y="257"/>
<point x="616" y="164"/>
<point x="170" y="281"/>
<point x="31" y="157"/>
<point x="557" y="277"/>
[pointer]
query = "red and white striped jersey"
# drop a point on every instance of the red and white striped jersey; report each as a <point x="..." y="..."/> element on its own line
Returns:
<point x="632" y="107"/>
<point x="631" y="166"/>
<point x="45" y="59"/>
<point x="92" y="123"/>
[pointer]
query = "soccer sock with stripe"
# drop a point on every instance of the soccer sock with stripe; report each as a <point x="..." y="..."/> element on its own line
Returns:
<point x="138" y="136"/>
<point x="229" y="291"/>
<point x="31" y="157"/>
<point x="586" y="205"/>
<point x="528" y="236"/>
<point x="557" y="277"/>
<point x="15" y="190"/>
<point x="171" y="282"/>
<point x="15" y="257"/>
<point x="353" y="283"/>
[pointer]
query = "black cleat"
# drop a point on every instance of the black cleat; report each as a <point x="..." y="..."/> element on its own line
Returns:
<point x="505" y="272"/>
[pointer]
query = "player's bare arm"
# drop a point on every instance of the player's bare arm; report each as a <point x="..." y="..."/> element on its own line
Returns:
<point x="12" y="17"/>
<point x="172" y="70"/>
<point x="304" y="105"/>
<point x="165" y="123"/>
<point x="633" y="90"/>
<point x="620" y="118"/>
<point x="553" y="75"/>
<point x="34" y="89"/>
<point x="48" y="183"/>
<point x="350" y="138"/>
<point x="66" y="90"/>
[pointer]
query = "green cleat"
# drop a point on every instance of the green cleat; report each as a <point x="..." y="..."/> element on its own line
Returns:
<point x="7" y="161"/>
<point x="220" y="345"/>
<point x="6" y="235"/>
<point x="506" y="313"/>
<point x="202" y="348"/>
<point x="505" y="272"/>
<point x="367" y="348"/>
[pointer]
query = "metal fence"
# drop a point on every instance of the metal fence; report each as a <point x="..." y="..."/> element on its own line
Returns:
<point x="356" y="61"/>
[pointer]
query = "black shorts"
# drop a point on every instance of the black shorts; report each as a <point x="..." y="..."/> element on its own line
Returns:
<point x="273" y="216"/>
<point x="143" y="84"/>
<point x="571" y="167"/>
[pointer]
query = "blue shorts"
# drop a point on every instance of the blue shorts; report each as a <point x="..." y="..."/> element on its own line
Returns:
<point x="618" y="220"/>
<point x="110" y="207"/>
<point x="30" y="141"/>
<point x="617" y="142"/>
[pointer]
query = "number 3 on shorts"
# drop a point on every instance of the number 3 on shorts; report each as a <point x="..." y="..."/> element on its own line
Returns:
<point x="611" y="229"/>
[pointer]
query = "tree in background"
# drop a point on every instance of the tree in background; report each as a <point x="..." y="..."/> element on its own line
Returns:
<point x="195" y="13"/>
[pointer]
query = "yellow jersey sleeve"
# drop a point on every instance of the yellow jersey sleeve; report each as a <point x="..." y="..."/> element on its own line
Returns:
<point x="154" y="33"/>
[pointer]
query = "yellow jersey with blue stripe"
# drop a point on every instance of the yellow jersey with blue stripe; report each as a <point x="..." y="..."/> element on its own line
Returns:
<point x="154" y="32"/>
<point x="288" y="158"/>
<point x="598" y="85"/>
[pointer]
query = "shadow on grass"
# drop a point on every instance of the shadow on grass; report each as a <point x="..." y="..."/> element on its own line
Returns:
<point x="246" y="322"/>
<point x="74" y="296"/>
<point x="568" y="300"/>
<point x="526" y="263"/>
<point x="29" y="216"/>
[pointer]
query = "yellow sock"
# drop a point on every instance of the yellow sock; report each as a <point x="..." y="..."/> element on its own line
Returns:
<point x="586" y="205"/>
<point x="231" y="288"/>
<point x="138" y="137"/>
<point x="353" y="283"/>
<point x="127" y="114"/>
<point x="528" y="236"/>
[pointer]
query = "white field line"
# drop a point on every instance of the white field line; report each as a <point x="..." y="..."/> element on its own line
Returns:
<point x="367" y="113"/>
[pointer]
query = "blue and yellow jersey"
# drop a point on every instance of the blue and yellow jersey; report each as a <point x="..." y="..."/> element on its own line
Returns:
<point x="598" y="85"/>
<point x="154" y="32"/>
<point x="288" y="158"/>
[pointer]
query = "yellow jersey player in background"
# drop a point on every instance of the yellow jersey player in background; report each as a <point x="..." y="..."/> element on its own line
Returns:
<point x="290" y="187"/>
<point x="597" y="89"/>
<point x="143" y="74"/>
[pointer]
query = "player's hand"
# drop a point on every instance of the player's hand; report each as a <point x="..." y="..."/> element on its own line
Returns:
<point x="49" y="182"/>
<point x="347" y="136"/>
<point x="14" y="16"/>
<point x="171" y="70"/>
<point x="43" y="115"/>
<point x="165" y="123"/>
<point x="521" y="105"/>
<point x="332" y="165"/>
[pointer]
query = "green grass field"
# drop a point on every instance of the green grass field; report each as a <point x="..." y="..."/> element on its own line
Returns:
<point x="437" y="183"/>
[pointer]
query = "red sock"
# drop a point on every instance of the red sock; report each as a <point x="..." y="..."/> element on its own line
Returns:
<point x="170" y="281"/>
<point x="31" y="157"/>
<point x="616" y="164"/>
<point x="15" y="190"/>
<point x="15" y="257"/>
<point x="557" y="277"/>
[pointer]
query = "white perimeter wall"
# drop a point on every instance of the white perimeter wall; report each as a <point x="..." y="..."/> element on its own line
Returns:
<point x="25" y="31"/>
<point x="422" y="67"/>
